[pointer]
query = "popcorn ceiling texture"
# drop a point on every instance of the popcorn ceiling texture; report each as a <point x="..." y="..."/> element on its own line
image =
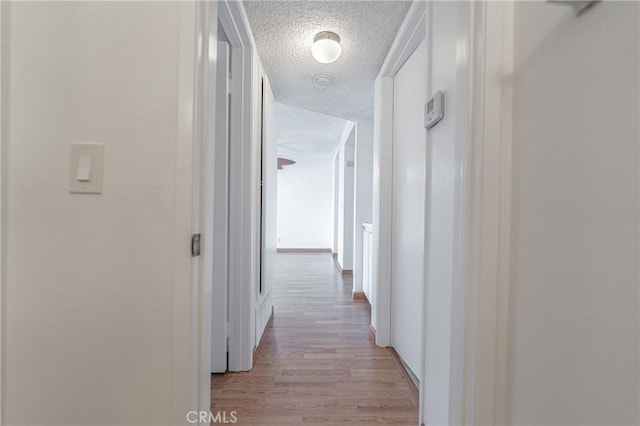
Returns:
<point x="284" y="32"/>
<point x="307" y="134"/>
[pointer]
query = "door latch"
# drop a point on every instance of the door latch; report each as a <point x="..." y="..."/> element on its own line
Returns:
<point x="195" y="245"/>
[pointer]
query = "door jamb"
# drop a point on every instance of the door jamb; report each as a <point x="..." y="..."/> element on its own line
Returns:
<point x="218" y="137"/>
<point x="194" y="200"/>
<point x="479" y="383"/>
<point x="483" y="344"/>
<point x="241" y="187"/>
<point x="479" y="378"/>
<point x="3" y="195"/>
<point x="191" y="387"/>
<point x="194" y="204"/>
<point x="409" y="36"/>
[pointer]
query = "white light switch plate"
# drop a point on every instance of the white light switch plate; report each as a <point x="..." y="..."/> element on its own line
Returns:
<point x="85" y="168"/>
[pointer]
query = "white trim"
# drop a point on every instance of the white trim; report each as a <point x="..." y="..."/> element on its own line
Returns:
<point x="479" y="391"/>
<point x="409" y="36"/>
<point x="246" y="206"/>
<point x="217" y="212"/>
<point x="428" y="172"/>
<point x="186" y="376"/>
<point x="479" y="370"/>
<point x="464" y="254"/>
<point x="194" y="195"/>
<point x="487" y="388"/>
<point x="503" y="390"/>
<point x="381" y="215"/>
<point x="479" y="383"/>
<point x="231" y="16"/>
<point x="242" y="201"/>
<point x="346" y="132"/>
<point x="3" y="195"/>
<point x="203" y="175"/>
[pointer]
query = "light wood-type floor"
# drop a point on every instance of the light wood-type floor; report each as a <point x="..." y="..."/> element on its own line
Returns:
<point x="317" y="363"/>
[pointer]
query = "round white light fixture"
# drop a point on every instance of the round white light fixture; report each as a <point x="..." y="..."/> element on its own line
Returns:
<point x="326" y="47"/>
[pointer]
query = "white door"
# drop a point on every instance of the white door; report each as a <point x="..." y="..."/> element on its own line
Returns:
<point x="409" y="169"/>
<point x="220" y="316"/>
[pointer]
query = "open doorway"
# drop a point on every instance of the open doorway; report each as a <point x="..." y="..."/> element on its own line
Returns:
<point x="244" y="213"/>
<point x="240" y="255"/>
<point x="230" y="191"/>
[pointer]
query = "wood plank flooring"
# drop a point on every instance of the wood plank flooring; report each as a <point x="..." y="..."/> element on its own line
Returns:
<point x="317" y="363"/>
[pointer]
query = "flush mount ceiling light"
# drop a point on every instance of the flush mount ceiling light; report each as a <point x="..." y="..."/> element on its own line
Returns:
<point x="321" y="81"/>
<point x="326" y="47"/>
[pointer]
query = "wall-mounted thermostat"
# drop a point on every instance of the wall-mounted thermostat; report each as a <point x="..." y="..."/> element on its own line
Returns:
<point x="434" y="110"/>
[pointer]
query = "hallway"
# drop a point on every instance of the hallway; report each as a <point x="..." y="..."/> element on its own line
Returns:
<point x="316" y="363"/>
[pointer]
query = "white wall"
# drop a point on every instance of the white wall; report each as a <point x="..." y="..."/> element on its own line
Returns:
<point x="442" y="168"/>
<point x="3" y="186"/>
<point x="575" y="219"/>
<point x="305" y="200"/>
<point x="89" y="296"/>
<point x="346" y="200"/>
<point x="408" y="205"/>
<point x="3" y="189"/>
<point x="363" y="193"/>
<point x="336" y="195"/>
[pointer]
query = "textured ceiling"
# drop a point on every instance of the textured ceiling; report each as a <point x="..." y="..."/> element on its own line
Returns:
<point x="306" y="134"/>
<point x="284" y="32"/>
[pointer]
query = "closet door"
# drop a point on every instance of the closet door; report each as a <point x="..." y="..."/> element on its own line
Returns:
<point x="409" y="168"/>
<point x="220" y="285"/>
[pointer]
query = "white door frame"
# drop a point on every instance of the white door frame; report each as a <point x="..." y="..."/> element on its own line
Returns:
<point x="233" y="19"/>
<point x="479" y="381"/>
<point x="219" y="114"/>
<point x="479" y="378"/>
<point x="410" y="34"/>
<point x="3" y="195"/>
<point x="482" y="343"/>
<point x="192" y="302"/>
<point x="195" y="154"/>
<point x="241" y="186"/>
